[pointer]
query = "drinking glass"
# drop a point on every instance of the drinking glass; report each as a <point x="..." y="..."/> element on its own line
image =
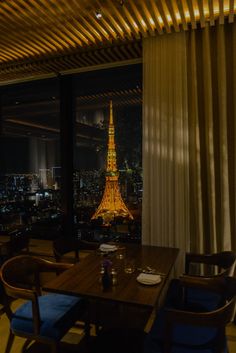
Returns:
<point x="120" y="253"/>
<point x="129" y="265"/>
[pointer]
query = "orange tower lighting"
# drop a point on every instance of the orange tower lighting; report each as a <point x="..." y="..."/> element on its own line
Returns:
<point x="112" y="204"/>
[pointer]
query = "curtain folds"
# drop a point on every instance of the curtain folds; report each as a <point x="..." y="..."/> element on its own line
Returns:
<point x="165" y="142"/>
<point x="189" y="139"/>
<point x="212" y="107"/>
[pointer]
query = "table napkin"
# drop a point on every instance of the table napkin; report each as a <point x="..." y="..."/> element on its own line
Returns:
<point x="147" y="278"/>
<point x="108" y="247"/>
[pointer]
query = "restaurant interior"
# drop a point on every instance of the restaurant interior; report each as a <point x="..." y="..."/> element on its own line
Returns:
<point x="155" y="272"/>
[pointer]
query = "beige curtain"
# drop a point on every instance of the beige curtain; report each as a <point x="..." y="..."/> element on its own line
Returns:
<point x="211" y="54"/>
<point x="165" y="142"/>
<point x="189" y="139"/>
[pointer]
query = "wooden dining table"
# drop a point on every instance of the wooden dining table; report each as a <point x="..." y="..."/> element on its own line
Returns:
<point x="84" y="280"/>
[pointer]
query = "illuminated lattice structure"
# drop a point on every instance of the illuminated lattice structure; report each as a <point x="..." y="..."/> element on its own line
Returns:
<point x="112" y="204"/>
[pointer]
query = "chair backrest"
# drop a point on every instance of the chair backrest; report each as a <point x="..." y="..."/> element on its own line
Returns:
<point x="62" y="246"/>
<point x="217" y="319"/>
<point x="6" y="252"/>
<point x="226" y="286"/>
<point x="22" y="273"/>
<point x="19" y="240"/>
<point x="224" y="261"/>
<point x="21" y="278"/>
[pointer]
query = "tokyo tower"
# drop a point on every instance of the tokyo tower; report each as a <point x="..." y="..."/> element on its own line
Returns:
<point x="112" y="204"/>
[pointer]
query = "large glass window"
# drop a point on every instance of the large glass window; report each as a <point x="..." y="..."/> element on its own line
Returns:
<point x="30" y="158"/>
<point x="108" y="190"/>
<point x="107" y="139"/>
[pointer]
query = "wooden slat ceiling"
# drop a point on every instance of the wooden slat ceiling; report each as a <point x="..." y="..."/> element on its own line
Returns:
<point x="40" y="37"/>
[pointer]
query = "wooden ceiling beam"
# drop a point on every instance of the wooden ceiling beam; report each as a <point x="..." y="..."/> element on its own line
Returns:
<point x="94" y="22"/>
<point x="33" y="32"/>
<point x="201" y="13"/>
<point x="221" y="12"/>
<point x="191" y="13"/>
<point x="163" y="15"/>
<point x="150" y="19"/>
<point x="110" y="17"/>
<point x="155" y="15"/>
<point x="103" y="21"/>
<point x="123" y="24"/>
<point x="139" y="18"/>
<point x="182" y="14"/>
<point x="211" y="13"/>
<point x="231" y="11"/>
<point x="131" y="23"/>
<point x="169" y="4"/>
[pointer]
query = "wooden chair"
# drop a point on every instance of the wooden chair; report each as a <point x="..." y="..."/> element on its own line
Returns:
<point x="212" y="265"/>
<point x="19" y="240"/>
<point x="62" y="246"/>
<point x="177" y="330"/>
<point x="222" y="263"/>
<point x="5" y="251"/>
<point x="43" y="317"/>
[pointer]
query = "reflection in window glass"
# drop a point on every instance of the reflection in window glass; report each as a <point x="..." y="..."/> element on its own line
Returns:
<point x="30" y="160"/>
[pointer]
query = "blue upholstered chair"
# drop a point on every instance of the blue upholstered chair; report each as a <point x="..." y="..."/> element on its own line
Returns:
<point x="42" y="317"/>
<point x="177" y="330"/>
<point x="207" y="266"/>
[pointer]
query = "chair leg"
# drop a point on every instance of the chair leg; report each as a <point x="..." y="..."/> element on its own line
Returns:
<point x="87" y="328"/>
<point x="9" y="342"/>
<point x="54" y="347"/>
<point x="26" y="344"/>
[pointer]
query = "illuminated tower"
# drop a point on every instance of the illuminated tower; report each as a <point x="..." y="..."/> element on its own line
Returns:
<point x="112" y="204"/>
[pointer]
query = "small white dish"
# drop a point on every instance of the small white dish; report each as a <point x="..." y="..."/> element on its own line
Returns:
<point x="148" y="279"/>
<point x="107" y="248"/>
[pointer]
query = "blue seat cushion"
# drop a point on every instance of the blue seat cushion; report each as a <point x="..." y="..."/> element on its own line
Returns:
<point x="191" y="299"/>
<point x="206" y="299"/>
<point x="58" y="312"/>
<point x="182" y="335"/>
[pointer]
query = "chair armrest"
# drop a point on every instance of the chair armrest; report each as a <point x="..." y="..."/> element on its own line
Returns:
<point x="225" y="261"/>
<point x="16" y="292"/>
<point x="215" y="283"/>
<point x="209" y="318"/>
<point x="174" y="317"/>
<point x="26" y="294"/>
<point x="57" y="267"/>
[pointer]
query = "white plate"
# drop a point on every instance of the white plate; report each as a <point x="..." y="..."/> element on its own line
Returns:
<point x="148" y="282"/>
<point x="107" y="249"/>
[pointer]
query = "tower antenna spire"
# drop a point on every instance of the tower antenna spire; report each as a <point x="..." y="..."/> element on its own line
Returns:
<point x="111" y="114"/>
